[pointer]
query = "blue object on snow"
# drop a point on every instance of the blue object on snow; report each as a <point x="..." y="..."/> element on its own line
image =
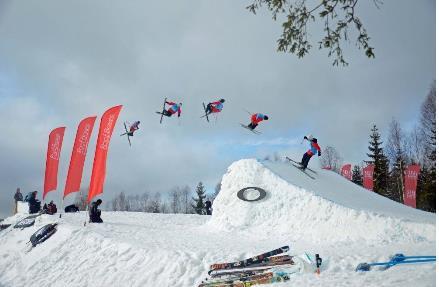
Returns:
<point x="395" y="260"/>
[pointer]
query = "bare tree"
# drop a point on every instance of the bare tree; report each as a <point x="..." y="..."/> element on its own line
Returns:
<point x="331" y="158"/>
<point x="175" y="197"/>
<point x="185" y="199"/>
<point x="81" y="200"/>
<point x="217" y="191"/>
<point x="397" y="155"/>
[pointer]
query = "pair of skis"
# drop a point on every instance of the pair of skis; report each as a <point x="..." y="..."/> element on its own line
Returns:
<point x="249" y="261"/>
<point x="396" y="260"/>
<point x="299" y="166"/>
<point x="126" y="133"/>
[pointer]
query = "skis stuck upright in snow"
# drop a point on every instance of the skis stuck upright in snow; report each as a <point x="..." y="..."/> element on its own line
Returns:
<point x="299" y="166"/>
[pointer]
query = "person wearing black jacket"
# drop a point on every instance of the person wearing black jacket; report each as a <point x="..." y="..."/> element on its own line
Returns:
<point x="95" y="213"/>
<point x="208" y="206"/>
<point x="34" y="203"/>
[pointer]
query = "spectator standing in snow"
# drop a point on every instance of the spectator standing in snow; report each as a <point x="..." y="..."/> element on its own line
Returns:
<point x="34" y="203"/>
<point x="208" y="207"/>
<point x="17" y="197"/>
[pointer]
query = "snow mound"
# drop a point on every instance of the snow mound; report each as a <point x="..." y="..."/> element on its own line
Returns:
<point x="327" y="208"/>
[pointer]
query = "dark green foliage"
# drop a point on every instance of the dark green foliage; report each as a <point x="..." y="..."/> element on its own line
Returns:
<point x="377" y="157"/>
<point x="357" y="178"/>
<point x="199" y="201"/>
<point x="336" y="16"/>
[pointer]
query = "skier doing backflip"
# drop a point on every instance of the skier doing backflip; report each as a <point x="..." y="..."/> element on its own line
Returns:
<point x="175" y="108"/>
<point x="134" y="127"/>
<point x="256" y="119"/>
<point x="315" y="148"/>
<point x="214" y="107"/>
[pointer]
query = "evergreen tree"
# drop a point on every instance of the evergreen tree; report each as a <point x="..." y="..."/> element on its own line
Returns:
<point x="199" y="201"/>
<point x="377" y="158"/>
<point x="357" y="178"/>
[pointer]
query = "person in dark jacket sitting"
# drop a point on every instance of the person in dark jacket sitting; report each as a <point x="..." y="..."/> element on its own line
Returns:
<point x="34" y="203"/>
<point x="71" y="208"/>
<point x="95" y="213"/>
<point x="51" y="208"/>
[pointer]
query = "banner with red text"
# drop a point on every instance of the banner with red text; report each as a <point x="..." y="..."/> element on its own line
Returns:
<point x="108" y="121"/>
<point x="411" y="174"/>
<point x="346" y="171"/>
<point x="79" y="152"/>
<point x="52" y="159"/>
<point x="368" y="177"/>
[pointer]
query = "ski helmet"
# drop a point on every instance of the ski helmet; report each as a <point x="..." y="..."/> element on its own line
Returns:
<point x="310" y="137"/>
<point x="265" y="117"/>
<point x="222" y="100"/>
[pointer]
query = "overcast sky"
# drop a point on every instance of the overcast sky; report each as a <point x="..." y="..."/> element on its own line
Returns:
<point x="61" y="61"/>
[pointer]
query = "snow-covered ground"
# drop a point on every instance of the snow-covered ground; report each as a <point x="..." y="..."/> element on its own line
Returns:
<point x="342" y="222"/>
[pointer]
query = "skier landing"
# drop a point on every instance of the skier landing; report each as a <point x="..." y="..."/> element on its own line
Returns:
<point x="314" y="148"/>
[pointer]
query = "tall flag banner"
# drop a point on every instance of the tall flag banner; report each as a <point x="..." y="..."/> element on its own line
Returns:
<point x="52" y="160"/>
<point x="108" y="121"/>
<point x="368" y="177"/>
<point x="79" y="152"/>
<point x="410" y="182"/>
<point x="346" y="171"/>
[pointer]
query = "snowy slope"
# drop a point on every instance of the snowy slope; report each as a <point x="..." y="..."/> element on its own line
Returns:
<point x="140" y="249"/>
<point x="329" y="208"/>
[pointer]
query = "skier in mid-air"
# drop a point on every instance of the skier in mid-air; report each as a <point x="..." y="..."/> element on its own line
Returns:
<point x="134" y="127"/>
<point x="175" y="108"/>
<point x="214" y="107"/>
<point x="256" y="119"/>
<point x="314" y="149"/>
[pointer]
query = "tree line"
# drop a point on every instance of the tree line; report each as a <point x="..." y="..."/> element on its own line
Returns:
<point x="179" y="199"/>
<point x="402" y="148"/>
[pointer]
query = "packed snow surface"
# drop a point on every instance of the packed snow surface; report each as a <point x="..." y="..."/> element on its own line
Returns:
<point x="342" y="222"/>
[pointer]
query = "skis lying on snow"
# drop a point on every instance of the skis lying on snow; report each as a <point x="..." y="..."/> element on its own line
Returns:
<point x="262" y="278"/>
<point x="299" y="167"/>
<point x="246" y="127"/>
<point x="249" y="261"/>
<point x="261" y="269"/>
<point x="395" y="260"/>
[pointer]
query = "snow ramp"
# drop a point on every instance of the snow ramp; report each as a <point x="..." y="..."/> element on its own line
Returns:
<point x="328" y="208"/>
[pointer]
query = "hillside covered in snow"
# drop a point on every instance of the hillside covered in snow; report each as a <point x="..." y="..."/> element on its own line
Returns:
<point x="329" y="215"/>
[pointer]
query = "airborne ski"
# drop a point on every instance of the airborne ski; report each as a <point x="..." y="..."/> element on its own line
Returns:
<point x="126" y="133"/>
<point x="164" y="105"/>
<point x="246" y="127"/>
<point x="205" y="112"/>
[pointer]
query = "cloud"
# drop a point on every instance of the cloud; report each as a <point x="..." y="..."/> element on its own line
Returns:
<point x="63" y="61"/>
